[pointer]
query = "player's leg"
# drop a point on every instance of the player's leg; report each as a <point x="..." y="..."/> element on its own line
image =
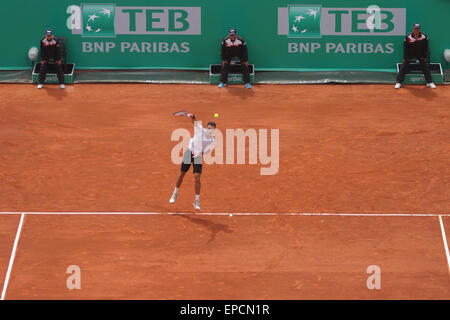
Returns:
<point x="401" y="74"/>
<point x="42" y="74"/>
<point x="427" y="73"/>
<point x="180" y="180"/>
<point x="197" y="190"/>
<point x="177" y="186"/>
<point x="224" y="74"/>
<point x="185" y="165"/>
<point x="197" y="175"/>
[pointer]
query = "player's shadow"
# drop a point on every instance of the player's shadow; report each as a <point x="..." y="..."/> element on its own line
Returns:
<point x="56" y="92"/>
<point x="422" y="92"/>
<point x="214" y="227"/>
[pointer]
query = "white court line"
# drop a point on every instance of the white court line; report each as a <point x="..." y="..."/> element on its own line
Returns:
<point x="444" y="238"/>
<point x="240" y="214"/>
<point x="13" y="255"/>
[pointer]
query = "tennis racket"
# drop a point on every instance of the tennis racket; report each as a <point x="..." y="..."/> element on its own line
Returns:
<point x="182" y="113"/>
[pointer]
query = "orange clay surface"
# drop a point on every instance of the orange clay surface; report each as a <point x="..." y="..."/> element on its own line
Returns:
<point x="343" y="149"/>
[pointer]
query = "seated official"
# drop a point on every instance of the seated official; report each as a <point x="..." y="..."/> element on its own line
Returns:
<point x="415" y="46"/>
<point x="234" y="47"/>
<point x="50" y="49"/>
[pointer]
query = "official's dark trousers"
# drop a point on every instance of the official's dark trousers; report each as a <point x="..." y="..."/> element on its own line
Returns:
<point x="405" y="68"/>
<point x="226" y="69"/>
<point x="44" y="70"/>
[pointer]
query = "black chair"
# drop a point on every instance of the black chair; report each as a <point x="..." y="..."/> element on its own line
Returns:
<point x="235" y="67"/>
<point x="414" y="65"/>
<point x="235" y="61"/>
<point x="416" y="69"/>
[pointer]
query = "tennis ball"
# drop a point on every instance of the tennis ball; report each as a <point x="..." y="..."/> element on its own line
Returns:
<point x="216" y="115"/>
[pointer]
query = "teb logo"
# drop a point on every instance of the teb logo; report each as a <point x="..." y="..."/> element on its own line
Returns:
<point x="109" y="20"/>
<point x="315" y="21"/>
<point x="98" y="20"/>
<point x="304" y="21"/>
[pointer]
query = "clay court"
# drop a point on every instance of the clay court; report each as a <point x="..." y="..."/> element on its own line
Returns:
<point x="86" y="175"/>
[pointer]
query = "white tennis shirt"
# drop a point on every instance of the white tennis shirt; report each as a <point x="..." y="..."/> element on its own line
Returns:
<point x="200" y="143"/>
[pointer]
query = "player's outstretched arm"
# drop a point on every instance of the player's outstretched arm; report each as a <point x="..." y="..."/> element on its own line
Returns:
<point x="198" y="130"/>
<point x="194" y="119"/>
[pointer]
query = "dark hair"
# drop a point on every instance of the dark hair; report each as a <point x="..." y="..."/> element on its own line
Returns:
<point x="212" y="124"/>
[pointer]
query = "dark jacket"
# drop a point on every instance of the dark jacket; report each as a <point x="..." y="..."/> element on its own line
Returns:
<point x="415" y="48"/>
<point x="236" y="48"/>
<point x="50" y="49"/>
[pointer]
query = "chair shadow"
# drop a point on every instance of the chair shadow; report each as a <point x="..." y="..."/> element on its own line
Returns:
<point x="55" y="91"/>
<point x="240" y="90"/>
<point x="421" y="92"/>
<point x="214" y="227"/>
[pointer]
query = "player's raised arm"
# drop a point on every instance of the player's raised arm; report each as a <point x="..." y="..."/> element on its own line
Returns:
<point x="195" y="121"/>
<point x="192" y="116"/>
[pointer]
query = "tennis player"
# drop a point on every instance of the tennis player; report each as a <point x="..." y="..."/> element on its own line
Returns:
<point x="201" y="143"/>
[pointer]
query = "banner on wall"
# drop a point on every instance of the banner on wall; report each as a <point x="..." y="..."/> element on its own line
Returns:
<point x="109" y="20"/>
<point x="312" y="22"/>
<point x="187" y="34"/>
<point x="308" y="29"/>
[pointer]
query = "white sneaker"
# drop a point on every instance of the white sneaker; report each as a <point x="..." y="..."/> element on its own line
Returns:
<point x="398" y="85"/>
<point x="40" y="86"/>
<point x="196" y="204"/>
<point x="173" y="198"/>
<point x="431" y="85"/>
<point x="61" y="86"/>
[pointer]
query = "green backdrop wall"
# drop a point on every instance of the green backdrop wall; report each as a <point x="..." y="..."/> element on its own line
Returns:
<point x="187" y="33"/>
